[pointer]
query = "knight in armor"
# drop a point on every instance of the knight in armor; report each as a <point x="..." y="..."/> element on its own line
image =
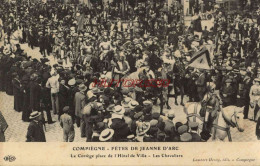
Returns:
<point x="167" y="71"/>
<point x="211" y="106"/>
<point x="122" y="67"/>
<point x="104" y="47"/>
<point x="86" y="50"/>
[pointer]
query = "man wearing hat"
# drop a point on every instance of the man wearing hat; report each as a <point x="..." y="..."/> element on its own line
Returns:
<point x="35" y="131"/>
<point x="133" y="104"/>
<point x="247" y="81"/>
<point x="49" y="42"/>
<point x="227" y="93"/>
<point x="91" y="116"/>
<point x="241" y="95"/>
<point x="152" y="133"/>
<point x="17" y="91"/>
<point x="45" y="102"/>
<point x="122" y="67"/>
<point x="53" y="84"/>
<point x="79" y="105"/>
<point x="42" y="43"/>
<point x="97" y="129"/>
<point x="35" y="92"/>
<point x="141" y="130"/>
<point x="118" y="124"/>
<point x="169" y="126"/>
<point x="193" y="131"/>
<point x="104" y="47"/>
<point x="63" y="94"/>
<point x="66" y="123"/>
<point x="254" y="95"/>
<point x="191" y="87"/>
<point x="72" y="90"/>
<point x="201" y="84"/>
<point x="179" y="75"/>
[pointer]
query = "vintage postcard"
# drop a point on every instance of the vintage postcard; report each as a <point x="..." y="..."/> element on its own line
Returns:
<point x="129" y="82"/>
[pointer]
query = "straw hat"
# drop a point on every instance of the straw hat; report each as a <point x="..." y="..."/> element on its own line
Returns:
<point x="92" y="85"/>
<point x="82" y="87"/>
<point x="72" y="28"/>
<point x="132" y="104"/>
<point x="257" y="80"/>
<point x="228" y="81"/>
<point x="95" y="90"/>
<point x="72" y="82"/>
<point x="90" y="94"/>
<point x="142" y="128"/>
<point x="147" y="103"/>
<point x="34" y="114"/>
<point x="102" y="77"/>
<point x="110" y="108"/>
<point x="106" y="134"/>
<point x="171" y="114"/>
<point x="126" y="101"/>
<point x="119" y="110"/>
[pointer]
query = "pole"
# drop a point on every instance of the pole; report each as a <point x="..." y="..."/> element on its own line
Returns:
<point x="123" y="8"/>
<point x="228" y="6"/>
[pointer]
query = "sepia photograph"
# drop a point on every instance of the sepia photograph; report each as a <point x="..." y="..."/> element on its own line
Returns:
<point x="170" y="71"/>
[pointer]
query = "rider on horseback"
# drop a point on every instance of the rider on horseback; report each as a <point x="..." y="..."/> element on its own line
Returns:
<point x="104" y="47"/>
<point x="211" y="105"/>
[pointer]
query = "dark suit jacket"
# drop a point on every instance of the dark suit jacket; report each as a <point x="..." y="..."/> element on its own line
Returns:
<point x="35" y="93"/>
<point x="35" y="132"/>
<point x="63" y="97"/>
<point x="257" y="130"/>
<point x="46" y="98"/>
<point x="229" y="91"/>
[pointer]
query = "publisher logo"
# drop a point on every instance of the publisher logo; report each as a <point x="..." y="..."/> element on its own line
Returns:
<point x="9" y="158"/>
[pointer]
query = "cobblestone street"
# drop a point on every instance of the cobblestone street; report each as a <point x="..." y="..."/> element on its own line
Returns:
<point x="17" y="129"/>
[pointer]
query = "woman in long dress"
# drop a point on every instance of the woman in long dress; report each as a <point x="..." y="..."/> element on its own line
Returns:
<point x="26" y="98"/>
<point x="254" y="95"/>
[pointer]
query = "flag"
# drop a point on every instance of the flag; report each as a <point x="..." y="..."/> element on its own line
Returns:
<point x="211" y="48"/>
<point x="201" y="59"/>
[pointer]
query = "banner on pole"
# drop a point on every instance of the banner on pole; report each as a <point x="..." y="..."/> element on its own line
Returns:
<point x="201" y="59"/>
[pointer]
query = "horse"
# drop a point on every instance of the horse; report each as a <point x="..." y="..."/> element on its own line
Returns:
<point x="228" y="116"/>
<point x="142" y="71"/>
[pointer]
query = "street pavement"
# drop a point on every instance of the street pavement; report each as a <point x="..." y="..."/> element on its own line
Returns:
<point x="17" y="129"/>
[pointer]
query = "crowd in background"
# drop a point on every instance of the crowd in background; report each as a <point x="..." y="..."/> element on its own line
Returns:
<point x="105" y="42"/>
